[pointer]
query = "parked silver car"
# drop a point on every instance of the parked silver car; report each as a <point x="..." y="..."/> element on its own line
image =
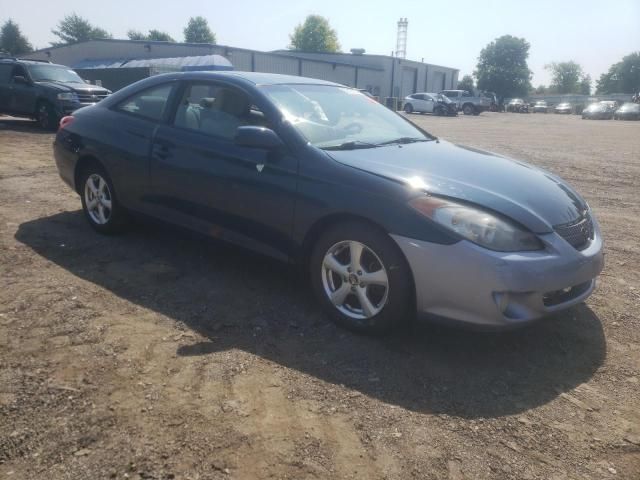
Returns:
<point x="429" y="103"/>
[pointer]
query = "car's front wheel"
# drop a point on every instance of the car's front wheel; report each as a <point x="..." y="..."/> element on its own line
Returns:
<point x="408" y="108"/>
<point x="99" y="202"/>
<point x="46" y="116"/>
<point x="468" y="110"/>
<point x="361" y="278"/>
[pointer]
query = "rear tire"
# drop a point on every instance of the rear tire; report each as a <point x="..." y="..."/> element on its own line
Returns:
<point x="99" y="202"/>
<point x="370" y="295"/>
<point x="468" y="109"/>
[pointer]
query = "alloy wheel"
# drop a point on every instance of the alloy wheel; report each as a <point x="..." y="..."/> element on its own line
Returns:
<point x="98" y="199"/>
<point x="355" y="279"/>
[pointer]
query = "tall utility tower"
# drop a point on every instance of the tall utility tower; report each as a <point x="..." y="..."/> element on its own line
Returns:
<point x="401" y="46"/>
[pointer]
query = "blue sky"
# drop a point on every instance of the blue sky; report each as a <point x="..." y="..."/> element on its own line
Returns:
<point x="593" y="33"/>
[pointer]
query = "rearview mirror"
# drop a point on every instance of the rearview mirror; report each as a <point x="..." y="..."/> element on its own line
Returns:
<point x="257" y="137"/>
<point x="20" y="79"/>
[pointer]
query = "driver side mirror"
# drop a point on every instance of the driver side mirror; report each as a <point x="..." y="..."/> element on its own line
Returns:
<point x="21" y="80"/>
<point x="257" y="137"/>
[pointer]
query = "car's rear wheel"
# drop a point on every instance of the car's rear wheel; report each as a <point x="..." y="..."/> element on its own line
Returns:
<point x="361" y="278"/>
<point x="468" y="109"/>
<point x="99" y="202"/>
<point x="46" y="116"/>
<point x="408" y="108"/>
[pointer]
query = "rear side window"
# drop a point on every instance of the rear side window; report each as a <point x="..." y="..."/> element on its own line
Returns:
<point x="150" y="104"/>
<point x="5" y="73"/>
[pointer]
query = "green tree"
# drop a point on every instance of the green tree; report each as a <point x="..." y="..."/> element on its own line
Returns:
<point x="567" y="77"/>
<point x="314" y="35"/>
<point x="466" y="83"/>
<point x="198" y="31"/>
<point x="73" y="29"/>
<point x="622" y="77"/>
<point x="502" y="67"/>
<point x="11" y="39"/>
<point x="541" y="89"/>
<point x="585" y="85"/>
<point x="156" y="35"/>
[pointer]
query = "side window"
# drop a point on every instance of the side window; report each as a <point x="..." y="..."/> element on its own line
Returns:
<point x="466" y="94"/>
<point x="5" y="73"/>
<point x="19" y="71"/>
<point x="216" y="110"/>
<point x="150" y="103"/>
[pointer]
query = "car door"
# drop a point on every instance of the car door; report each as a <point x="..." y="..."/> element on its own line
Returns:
<point x="22" y="95"/>
<point x="421" y="104"/>
<point x="429" y="103"/>
<point x="128" y="130"/>
<point x="5" y="75"/>
<point x="202" y="179"/>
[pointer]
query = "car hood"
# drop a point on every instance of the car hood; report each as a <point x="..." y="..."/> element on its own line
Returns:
<point x="533" y="197"/>
<point x="78" y="87"/>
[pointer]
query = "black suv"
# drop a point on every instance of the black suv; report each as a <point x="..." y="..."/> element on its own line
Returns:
<point x="43" y="91"/>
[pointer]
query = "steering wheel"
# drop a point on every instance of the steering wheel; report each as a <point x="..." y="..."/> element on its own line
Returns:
<point x="353" y="128"/>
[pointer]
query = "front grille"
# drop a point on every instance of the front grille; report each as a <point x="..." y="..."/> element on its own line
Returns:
<point x="578" y="233"/>
<point x="91" y="97"/>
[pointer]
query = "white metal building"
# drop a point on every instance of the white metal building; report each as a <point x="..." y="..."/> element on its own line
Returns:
<point x="382" y="75"/>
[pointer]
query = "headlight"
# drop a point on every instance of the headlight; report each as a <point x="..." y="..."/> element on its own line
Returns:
<point x="70" y="97"/>
<point x="478" y="226"/>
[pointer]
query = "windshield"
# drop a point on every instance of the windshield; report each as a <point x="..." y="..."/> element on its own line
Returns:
<point x="41" y="73"/>
<point x="596" y="107"/>
<point x="543" y="104"/>
<point x="516" y="100"/>
<point x="333" y="117"/>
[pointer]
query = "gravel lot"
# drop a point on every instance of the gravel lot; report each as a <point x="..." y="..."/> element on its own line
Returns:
<point x="159" y="355"/>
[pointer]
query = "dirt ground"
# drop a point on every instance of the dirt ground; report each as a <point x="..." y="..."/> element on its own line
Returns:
<point x="159" y="355"/>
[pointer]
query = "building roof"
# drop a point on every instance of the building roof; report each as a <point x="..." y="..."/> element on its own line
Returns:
<point x="185" y="64"/>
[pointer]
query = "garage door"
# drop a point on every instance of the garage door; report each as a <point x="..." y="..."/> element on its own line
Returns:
<point x="408" y="81"/>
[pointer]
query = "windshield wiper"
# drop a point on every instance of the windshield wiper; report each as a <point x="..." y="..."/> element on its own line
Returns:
<point x="351" y="145"/>
<point x="404" y="140"/>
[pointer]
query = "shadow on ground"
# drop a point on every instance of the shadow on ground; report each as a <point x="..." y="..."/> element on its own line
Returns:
<point x="241" y="300"/>
<point x="21" y="125"/>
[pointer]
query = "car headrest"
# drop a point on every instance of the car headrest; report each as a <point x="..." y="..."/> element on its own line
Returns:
<point x="207" y="102"/>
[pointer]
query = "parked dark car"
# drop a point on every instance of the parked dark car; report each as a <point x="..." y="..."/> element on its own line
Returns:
<point x="540" y="107"/>
<point x="517" y="105"/>
<point x="599" y="111"/>
<point x="43" y="91"/>
<point x="564" y="107"/>
<point x="386" y="219"/>
<point x="628" y="111"/>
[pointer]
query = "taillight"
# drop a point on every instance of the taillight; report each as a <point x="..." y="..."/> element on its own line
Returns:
<point x="65" y="121"/>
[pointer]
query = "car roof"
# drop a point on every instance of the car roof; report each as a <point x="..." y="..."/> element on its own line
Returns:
<point x="259" y="78"/>
<point x="28" y="61"/>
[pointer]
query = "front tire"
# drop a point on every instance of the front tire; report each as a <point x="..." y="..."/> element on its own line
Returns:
<point x="361" y="278"/>
<point x="408" y="108"/>
<point x="46" y="116"/>
<point x="468" y="109"/>
<point x="99" y="203"/>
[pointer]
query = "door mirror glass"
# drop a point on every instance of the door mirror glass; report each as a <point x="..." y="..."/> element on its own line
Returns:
<point x="257" y="137"/>
<point x="21" y="80"/>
